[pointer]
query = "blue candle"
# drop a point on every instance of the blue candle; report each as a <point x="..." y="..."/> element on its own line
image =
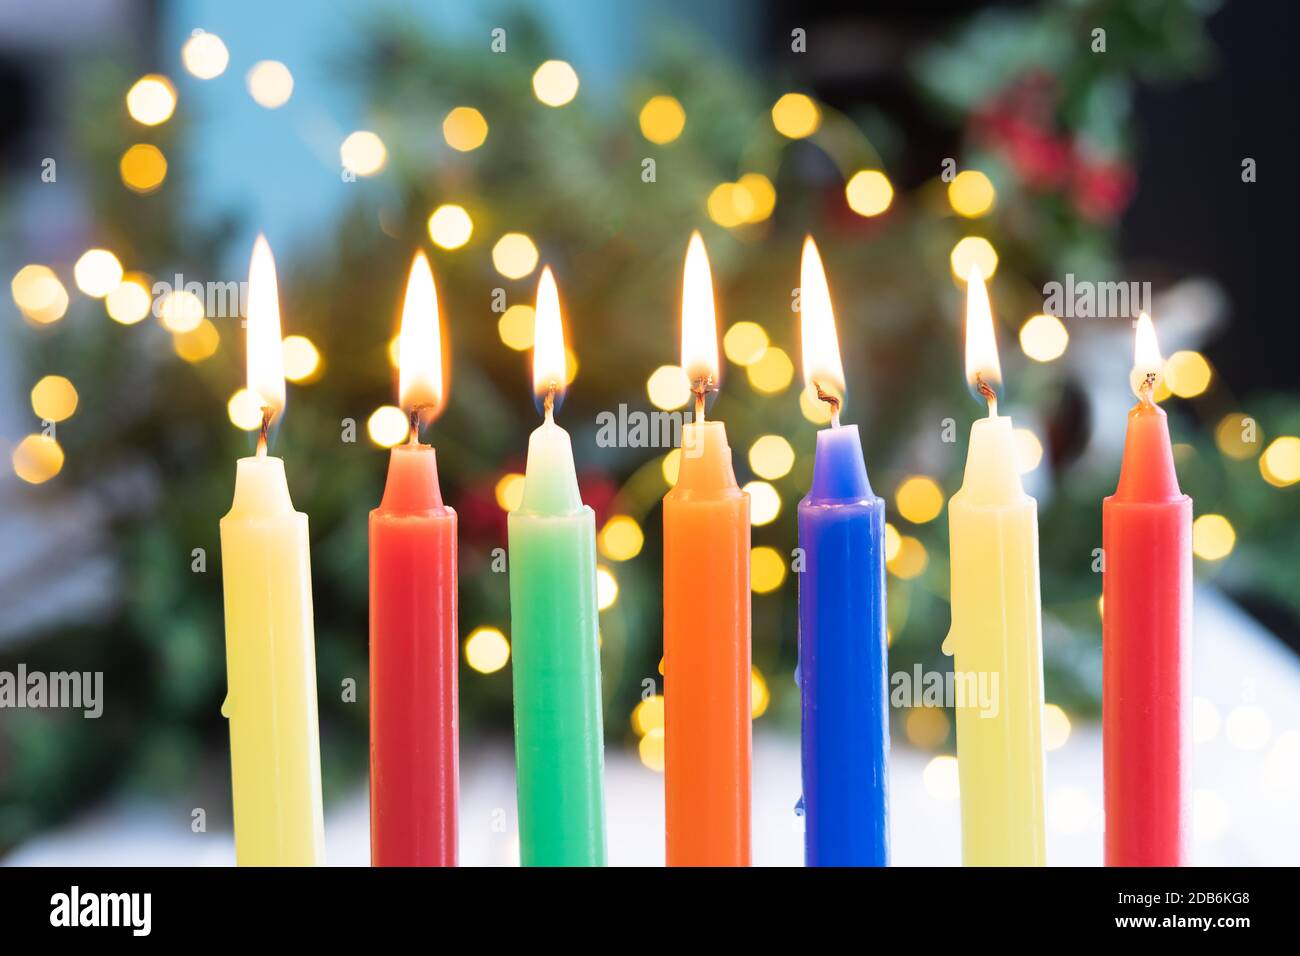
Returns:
<point x="842" y="648"/>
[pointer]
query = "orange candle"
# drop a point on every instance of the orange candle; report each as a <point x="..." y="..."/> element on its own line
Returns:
<point x="706" y="617"/>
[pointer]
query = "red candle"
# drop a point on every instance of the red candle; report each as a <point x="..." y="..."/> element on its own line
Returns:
<point x="413" y="652"/>
<point x="1146" y="629"/>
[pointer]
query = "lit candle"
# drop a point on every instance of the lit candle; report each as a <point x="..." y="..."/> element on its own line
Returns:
<point x="1146" y="625"/>
<point x="270" y="645"/>
<point x="842" y="650"/>
<point x="413" y="653"/>
<point x="559" y="740"/>
<point x="996" y="636"/>
<point x="707" y="674"/>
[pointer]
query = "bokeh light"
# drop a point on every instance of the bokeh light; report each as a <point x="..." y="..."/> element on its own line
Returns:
<point x="745" y="342"/>
<point x="662" y="119"/>
<point x="39" y="294"/>
<point x="671" y="466"/>
<point x="1187" y="374"/>
<point x="363" y="153"/>
<point x="1056" y="727"/>
<point x="515" y="327"/>
<point x="509" y="491"/>
<point x="245" y="410"/>
<point x="668" y="387"/>
<point x="486" y="650"/>
<point x="131" y="301"/>
<point x="37" y="458"/>
<point x="54" y="398"/>
<point x="1044" y="338"/>
<point x="1280" y="463"/>
<point x="1238" y="436"/>
<point x="971" y="194"/>
<point x="606" y="588"/>
<point x="151" y="100"/>
<point x="796" y="116"/>
<point x="759" y="695"/>
<point x="205" y="55"/>
<point x="301" y="358"/>
<point x="911" y="559"/>
<point x="869" y="192"/>
<point x="514" y="255"/>
<point x="813" y="408"/>
<point x="926" y="727"/>
<point x="199" y="343"/>
<point x="771" y="457"/>
<point x="648" y="715"/>
<point x="973" y="251"/>
<point x="919" y="499"/>
<point x="388" y="426"/>
<point x="772" y="372"/>
<point x="450" y="226"/>
<point x="270" y="84"/>
<point x="180" y="311"/>
<point x="730" y="205"/>
<point x="762" y="195"/>
<point x="97" y="272"/>
<point x="621" y="538"/>
<point x="1212" y="537"/>
<point x="1029" y="450"/>
<point x="766" y="569"/>
<point x="764" y="502"/>
<point x="651" y="750"/>
<point x="555" y="83"/>
<point x="464" y="129"/>
<point x="940" y="778"/>
<point x="143" y="168"/>
<point x="893" y="542"/>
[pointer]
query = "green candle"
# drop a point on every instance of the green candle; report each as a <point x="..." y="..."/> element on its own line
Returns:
<point x="559" y="742"/>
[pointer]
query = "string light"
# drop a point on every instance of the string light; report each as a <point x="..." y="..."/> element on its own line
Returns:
<point x="796" y="116"/>
<point x="555" y="83"/>
<point x="151" y="100"/>
<point x="450" y="226"/>
<point x="662" y="119"/>
<point x="205" y="55"/>
<point x="621" y="538"/>
<point x="363" y="153"/>
<point x="486" y="650"/>
<point x="270" y="84"/>
<point x="869" y="192"/>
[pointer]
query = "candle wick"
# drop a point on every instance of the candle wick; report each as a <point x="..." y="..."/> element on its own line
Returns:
<point x="414" y="438"/>
<point x="832" y="400"/>
<point x="548" y="403"/>
<point x="267" y="412"/>
<point x="701" y="387"/>
<point x="1146" y="389"/>
<point x="990" y="396"/>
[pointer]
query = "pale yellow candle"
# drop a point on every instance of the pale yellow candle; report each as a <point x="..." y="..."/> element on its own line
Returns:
<point x="270" y="644"/>
<point x="996" y="636"/>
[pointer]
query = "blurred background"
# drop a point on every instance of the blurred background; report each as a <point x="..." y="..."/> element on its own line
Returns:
<point x="145" y="140"/>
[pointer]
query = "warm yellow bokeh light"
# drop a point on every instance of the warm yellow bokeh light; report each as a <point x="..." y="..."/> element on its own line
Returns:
<point x="37" y="458"/>
<point x="363" y="153"/>
<point x="1212" y="537"/>
<point x="509" y="491"/>
<point x="180" y="311"/>
<point x="143" y="168"/>
<point x="813" y="408"/>
<point x="621" y="538"/>
<point x="54" y="398"/>
<point x="759" y="695"/>
<point x="869" y="192"/>
<point x="301" y="358"/>
<point x="151" y="100"/>
<point x="668" y="387"/>
<point x="97" y="272"/>
<point x="388" y="426"/>
<point x="1187" y="374"/>
<point x="771" y="457"/>
<point x="1056" y="727"/>
<point x="919" y="499"/>
<point x="514" y="255"/>
<point x="1280" y="463"/>
<point x="1044" y="338"/>
<point x="464" y="129"/>
<point x="270" y="84"/>
<point x="131" y="301"/>
<point x="730" y="205"/>
<point x="205" y="55"/>
<point x="662" y="119"/>
<point x="450" y="226"/>
<point x="926" y="727"/>
<point x="971" y="194"/>
<point x="606" y="588"/>
<point x="515" y="327"/>
<point x="745" y="342"/>
<point x="766" y="569"/>
<point x="795" y="116"/>
<point x="893" y="542"/>
<point x="973" y="251"/>
<point x="671" y="466"/>
<point x="555" y="83"/>
<point x="764" y="502"/>
<point x="651" y="750"/>
<point x="245" y="410"/>
<point x="911" y="558"/>
<point x="486" y="650"/>
<point x="648" y="715"/>
<point x="39" y="294"/>
<point x="772" y="372"/>
<point x="1029" y="450"/>
<point x="1238" y="436"/>
<point x="762" y="195"/>
<point x="199" y="343"/>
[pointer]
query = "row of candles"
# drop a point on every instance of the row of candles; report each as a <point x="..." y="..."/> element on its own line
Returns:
<point x="996" y="624"/>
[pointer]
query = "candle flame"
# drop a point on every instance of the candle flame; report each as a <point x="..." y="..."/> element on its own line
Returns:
<point x="548" y="342"/>
<point x="823" y="369"/>
<point x="699" y="321"/>
<point x="419" y="344"/>
<point x="1147" y="362"/>
<point x="983" y="370"/>
<point x="265" y="362"/>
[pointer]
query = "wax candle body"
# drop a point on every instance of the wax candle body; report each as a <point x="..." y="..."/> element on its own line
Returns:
<point x="707" y="671"/>
<point x="271" y="673"/>
<point x="413" y="661"/>
<point x="842" y="659"/>
<point x="996" y="643"/>
<point x="559" y="740"/>
<point x="1146" y="621"/>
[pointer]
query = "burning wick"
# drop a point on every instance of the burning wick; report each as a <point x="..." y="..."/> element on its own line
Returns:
<point x="414" y="416"/>
<point x="990" y="396"/>
<point x="830" y="400"/>
<point x="1146" y="389"/>
<point x="548" y="403"/>
<point x="701" y="387"/>
<point x="267" y="412"/>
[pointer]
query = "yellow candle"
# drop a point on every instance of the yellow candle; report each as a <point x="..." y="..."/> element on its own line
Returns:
<point x="270" y="646"/>
<point x="996" y="635"/>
